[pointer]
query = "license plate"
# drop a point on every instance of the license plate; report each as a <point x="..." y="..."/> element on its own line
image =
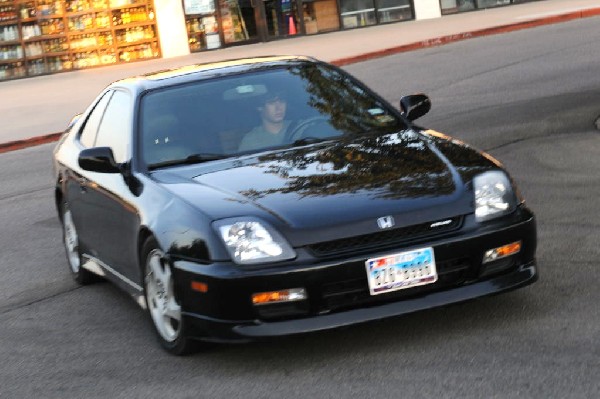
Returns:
<point x="400" y="271"/>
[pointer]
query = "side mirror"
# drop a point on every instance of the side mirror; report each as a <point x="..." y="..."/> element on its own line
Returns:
<point x="415" y="106"/>
<point x="99" y="159"/>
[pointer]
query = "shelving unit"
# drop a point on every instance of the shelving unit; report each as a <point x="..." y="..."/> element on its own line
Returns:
<point x="203" y="32"/>
<point x="201" y="24"/>
<point x="46" y="36"/>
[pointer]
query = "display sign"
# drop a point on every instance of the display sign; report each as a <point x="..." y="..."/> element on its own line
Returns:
<point x="192" y="7"/>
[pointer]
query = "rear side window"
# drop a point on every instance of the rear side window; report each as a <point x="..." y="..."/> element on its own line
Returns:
<point x="115" y="127"/>
<point x="88" y="135"/>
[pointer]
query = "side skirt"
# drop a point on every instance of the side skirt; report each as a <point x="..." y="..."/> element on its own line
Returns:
<point x="100" y="268"/>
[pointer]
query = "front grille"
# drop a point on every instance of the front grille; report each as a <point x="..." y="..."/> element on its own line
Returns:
<point x="382" y="239"/>
<point x="353" y="293"/>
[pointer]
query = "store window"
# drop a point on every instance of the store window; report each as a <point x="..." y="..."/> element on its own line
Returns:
<point x="201" y="24"/>
<point x="454" y="6"/>
<point x="356" y="13"/>
<point x="46" y="36"/>
<point x="492" y="3"/>
<point x="393" y="10"/>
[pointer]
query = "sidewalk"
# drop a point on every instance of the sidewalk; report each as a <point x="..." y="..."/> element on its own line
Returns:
<point x="33" y="110"/>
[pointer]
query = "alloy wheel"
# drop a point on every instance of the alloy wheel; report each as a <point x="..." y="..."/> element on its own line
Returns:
<point x="71" y="242"/>
<point x="160" y="295"/>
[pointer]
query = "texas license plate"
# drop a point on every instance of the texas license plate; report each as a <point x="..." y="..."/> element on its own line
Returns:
<point x="400" y="271"/>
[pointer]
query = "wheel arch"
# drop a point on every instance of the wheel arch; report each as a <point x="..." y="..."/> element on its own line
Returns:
<point x="58" y="199"/>
<point x="144" y="234"/>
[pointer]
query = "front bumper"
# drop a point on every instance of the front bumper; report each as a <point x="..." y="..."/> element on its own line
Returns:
<point x="243" y="331"/>
<point x="337" y="289"/>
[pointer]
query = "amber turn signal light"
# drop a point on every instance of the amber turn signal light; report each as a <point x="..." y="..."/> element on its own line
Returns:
<point x="501" y="252"/>
<point x="199" y="286"/>
<point x="291" y="295"/>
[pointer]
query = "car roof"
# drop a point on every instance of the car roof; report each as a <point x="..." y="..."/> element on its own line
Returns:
<point x="195" y="72"/>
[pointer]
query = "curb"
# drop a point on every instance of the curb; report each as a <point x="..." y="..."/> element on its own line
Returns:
<point x="32" y="142"/>
<point x="440" y="41"/>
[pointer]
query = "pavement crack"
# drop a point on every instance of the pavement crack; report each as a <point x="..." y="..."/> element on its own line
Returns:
<point x="11" y="308"/>
<point x="23" y="192"/>
<point x="531" y="138"/>
<point x="509" y="143"/>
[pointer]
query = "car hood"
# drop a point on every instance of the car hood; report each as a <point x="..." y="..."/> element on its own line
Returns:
<point x="339" y="187"/>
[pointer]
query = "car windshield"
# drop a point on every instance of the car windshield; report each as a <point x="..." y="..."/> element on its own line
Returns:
<point x="275" y="107"/>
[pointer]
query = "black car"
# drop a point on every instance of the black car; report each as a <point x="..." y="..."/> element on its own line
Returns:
<point x="262" y="197"/>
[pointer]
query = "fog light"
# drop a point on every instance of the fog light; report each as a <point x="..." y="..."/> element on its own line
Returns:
<point x="501" y="252"/>
<point x="291" y="295"/>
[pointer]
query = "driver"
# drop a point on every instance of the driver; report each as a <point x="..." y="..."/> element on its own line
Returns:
<point x="273" y="128"/>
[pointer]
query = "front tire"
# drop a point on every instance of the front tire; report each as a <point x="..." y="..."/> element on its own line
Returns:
<point x="71" y="243"/>
<point x="163" y="308"/>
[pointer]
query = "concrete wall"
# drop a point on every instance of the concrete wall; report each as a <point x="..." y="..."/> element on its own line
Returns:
<point x="426" y="9"/>
<point x="172" y="32"/>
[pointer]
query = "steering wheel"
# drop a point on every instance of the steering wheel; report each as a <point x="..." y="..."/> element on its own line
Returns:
<point x="298" y="131"/>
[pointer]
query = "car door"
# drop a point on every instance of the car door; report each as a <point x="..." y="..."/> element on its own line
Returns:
<point x="77" y="180"/>
<point x="112" y="220"/>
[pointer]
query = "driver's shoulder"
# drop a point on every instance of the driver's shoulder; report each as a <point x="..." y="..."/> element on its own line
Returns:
<point x="250" y="139"/>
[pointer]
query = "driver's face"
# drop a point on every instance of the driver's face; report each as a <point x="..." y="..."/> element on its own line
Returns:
<point x="274" y="110"/>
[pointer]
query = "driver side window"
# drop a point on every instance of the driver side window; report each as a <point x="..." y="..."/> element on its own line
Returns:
<point x="90" y="129"/>
<point x="116" y="126"/>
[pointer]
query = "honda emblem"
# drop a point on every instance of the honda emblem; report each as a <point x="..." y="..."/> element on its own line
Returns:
<point x="385" y="222"/>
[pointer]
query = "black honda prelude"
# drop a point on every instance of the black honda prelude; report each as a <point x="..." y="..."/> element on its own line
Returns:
<point x="256" y="198"/>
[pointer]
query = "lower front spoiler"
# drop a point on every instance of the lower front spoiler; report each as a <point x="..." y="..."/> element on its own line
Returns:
<point x="244" y="331"/>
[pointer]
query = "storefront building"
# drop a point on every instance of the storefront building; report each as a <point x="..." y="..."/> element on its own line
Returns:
<point x="217" y="23"/>
<point x="47" y="36"/>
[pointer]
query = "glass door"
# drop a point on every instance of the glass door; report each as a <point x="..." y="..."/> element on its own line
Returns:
<point x="281" y="17"/>
<point x="238" y="22"/>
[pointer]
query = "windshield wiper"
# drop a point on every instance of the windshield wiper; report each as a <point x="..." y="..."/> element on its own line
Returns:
<point x="191" y="159"/>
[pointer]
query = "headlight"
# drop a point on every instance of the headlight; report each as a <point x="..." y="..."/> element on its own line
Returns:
<point x="494" y="196"/>
<point x="250" y="241"/>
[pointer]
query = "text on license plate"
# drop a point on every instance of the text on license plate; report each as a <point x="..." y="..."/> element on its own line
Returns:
<point x="400" y="271"/>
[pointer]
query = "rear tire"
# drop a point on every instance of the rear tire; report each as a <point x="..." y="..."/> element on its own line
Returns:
<point x="71" y="242"/>
<point x="164" y="310"/>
